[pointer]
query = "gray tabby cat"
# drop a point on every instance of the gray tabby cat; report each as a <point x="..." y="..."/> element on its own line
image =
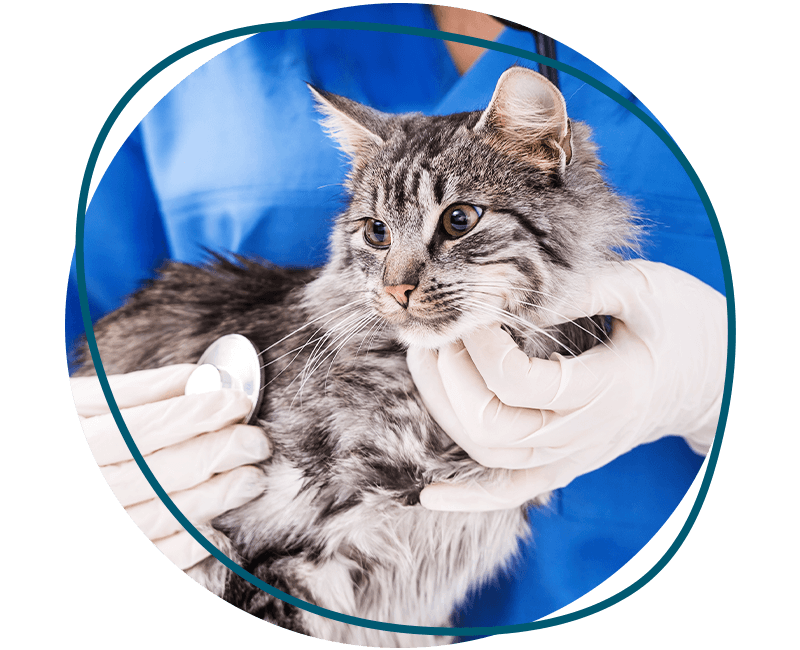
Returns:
<point x="453" y="223"/>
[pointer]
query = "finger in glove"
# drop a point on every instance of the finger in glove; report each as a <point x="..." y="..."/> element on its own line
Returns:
<point x="200" y="504"/>
<point x="423" y="366"/>
<point x="161" y="424"/>
<point x="189" y="463"/>
<point x="519" y="487"/>
<point x="556" y="384"/>
<point x="486" y="419"/>
<point x="132" y="389"/>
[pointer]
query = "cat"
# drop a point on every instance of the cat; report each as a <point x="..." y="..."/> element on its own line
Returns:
<point x="452" y="223"/>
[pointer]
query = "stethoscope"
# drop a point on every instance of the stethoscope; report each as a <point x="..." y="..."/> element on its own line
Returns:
<point x="232" y="361"/>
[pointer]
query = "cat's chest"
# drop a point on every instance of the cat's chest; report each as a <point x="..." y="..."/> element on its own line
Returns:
<point x="357" y="398"/>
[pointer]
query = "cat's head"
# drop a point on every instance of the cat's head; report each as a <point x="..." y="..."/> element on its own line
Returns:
<point x="460" y="221"/>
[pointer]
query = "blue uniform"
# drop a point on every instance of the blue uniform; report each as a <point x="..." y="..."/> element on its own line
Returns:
<point x="233" y="159"/>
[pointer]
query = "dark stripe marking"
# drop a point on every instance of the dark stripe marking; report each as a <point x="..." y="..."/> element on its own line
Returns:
<point x="542" y="238"/>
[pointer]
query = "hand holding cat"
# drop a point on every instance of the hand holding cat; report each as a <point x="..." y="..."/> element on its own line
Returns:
<point x="662" y="372"/>
<point x="192" y="444"/>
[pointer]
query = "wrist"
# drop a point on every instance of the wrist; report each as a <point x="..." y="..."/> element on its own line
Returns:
<point x="701" y="437"/>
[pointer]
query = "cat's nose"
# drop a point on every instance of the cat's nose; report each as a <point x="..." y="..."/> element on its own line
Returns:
<point x="401" y="293"/>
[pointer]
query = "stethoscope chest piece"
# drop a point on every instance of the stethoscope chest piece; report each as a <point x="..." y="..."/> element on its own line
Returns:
<point x="230" y="362"/>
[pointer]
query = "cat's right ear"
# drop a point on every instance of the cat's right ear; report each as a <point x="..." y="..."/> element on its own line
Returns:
<point x="357" y="129"/>
<point x="527" y="117"/>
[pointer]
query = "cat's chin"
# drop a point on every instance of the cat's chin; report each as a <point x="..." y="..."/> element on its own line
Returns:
<point x="424" y="339"/>
<point x="425" y="336"/>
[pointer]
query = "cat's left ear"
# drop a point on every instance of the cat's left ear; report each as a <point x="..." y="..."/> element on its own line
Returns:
<point x="527" y="116"/>
<point x="357" y="129"/>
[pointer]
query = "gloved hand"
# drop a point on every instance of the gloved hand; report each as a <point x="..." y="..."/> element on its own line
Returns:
<point x="192" y="444"/>
<point x="662" y="372"/>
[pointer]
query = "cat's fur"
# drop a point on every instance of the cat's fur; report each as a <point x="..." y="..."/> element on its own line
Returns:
<point x="339" y="523"/>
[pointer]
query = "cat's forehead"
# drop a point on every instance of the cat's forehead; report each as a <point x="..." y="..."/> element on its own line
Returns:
<point x="429" y="163"/>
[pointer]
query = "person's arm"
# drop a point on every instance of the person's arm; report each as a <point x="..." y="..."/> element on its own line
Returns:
<point x="661" y="373"/>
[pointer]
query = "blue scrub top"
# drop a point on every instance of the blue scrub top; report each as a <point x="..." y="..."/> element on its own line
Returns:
<point x="233" y="159"/>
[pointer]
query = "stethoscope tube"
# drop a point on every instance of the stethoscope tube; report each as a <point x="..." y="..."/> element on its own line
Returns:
<point x="545" y="46"/>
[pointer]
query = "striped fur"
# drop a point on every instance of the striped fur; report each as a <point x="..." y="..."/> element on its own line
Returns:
<point x="339" y="523"/>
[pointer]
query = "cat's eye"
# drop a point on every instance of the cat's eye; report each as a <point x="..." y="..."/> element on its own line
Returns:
<point x="459" y="219"/>
<point x="377" y="234"/>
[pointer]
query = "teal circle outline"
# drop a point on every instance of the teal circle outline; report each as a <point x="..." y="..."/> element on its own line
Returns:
<point x="413" y="31"/>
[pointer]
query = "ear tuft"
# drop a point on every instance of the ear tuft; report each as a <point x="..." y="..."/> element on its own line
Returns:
<point x="527" y="116"/>
<point x="357" y="129"/>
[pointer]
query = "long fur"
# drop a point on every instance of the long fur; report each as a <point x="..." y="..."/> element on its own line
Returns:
<point x="339" y="522"/>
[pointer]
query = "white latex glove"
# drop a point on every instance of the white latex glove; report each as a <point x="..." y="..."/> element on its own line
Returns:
<point x="192" y="444"/>
<point x="661" y="373"/>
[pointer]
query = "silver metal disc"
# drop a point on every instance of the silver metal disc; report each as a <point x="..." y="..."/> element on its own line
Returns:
<point x="231" y="361"/>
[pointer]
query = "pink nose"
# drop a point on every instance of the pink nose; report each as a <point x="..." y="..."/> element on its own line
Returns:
<point x="401" y="293"/>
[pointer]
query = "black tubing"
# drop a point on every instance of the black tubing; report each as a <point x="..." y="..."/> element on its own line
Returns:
<point x="545" y="46"/>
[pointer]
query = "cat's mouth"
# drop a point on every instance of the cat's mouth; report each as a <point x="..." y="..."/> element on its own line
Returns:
<point x="433" y="326"/>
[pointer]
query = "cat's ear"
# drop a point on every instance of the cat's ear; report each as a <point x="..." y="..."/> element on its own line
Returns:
<point x="357" y="129"/>
<point x="527" y="116"/>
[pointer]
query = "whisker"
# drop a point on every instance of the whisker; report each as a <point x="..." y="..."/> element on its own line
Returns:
<point x="337" y="327"/>
<point x="383" y="325"/>
<point x="565" y="319"/>
<point x="299" y="350"/>
<point x="522" y="321"/>
<point x="332" y="350"/>
<point x="299" y="347"/>
<point x="311" y="322"/>
<point x="362" y="325"/>
<point x="492" y="309"/>
<point x="321" y="341"/>
<point x="605" y="341"/>
<point x="343" y="334"/>
<point x="501" y="285"/>
<point x="364" y="338"/>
